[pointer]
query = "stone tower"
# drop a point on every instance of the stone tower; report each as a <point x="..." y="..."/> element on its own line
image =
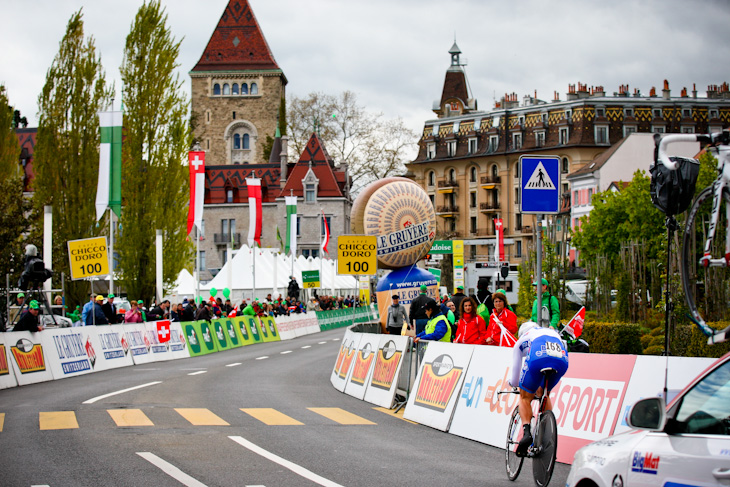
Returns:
<point x="237" y="88"/>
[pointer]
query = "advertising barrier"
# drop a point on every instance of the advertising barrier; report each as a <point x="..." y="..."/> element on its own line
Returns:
<point x="362" y="369"/>
<point x="139" y="344"/>
<point x="112" y="351"/>
<point x="198" y="336"/>
<point x="177" y="347"/>
<point x="436" y="390"/>
<point x="268" y="329"/>
<point x="220" y="334"/>
<point x="337" y="318"/>
<point x="388" y="363"/>
<point x="345" y="359"/>
<point x="7" y="376"/>
<point x="232" y="335"/>
<point x="241" y="324"/>
<point x="208" y="343"/>
<point x="27" y="357"/>
<point x="69" y="351"/>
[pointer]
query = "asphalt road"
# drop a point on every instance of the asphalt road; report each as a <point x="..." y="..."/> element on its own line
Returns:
<point x="186" y="427"/>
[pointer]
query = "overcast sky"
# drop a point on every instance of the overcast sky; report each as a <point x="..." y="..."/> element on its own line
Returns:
<point x="394" y="53"/>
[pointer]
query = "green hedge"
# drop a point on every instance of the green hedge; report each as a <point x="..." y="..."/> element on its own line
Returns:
<point x="622" y="338"/>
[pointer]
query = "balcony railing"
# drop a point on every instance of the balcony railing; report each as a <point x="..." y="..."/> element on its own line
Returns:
<point x="449" y="183"/>
<point x="447" y="209"/>
<point x="485" y="232"/>
<point x="488" y="207"/>
<point x="224" y="238"/>
<point x="527" y="229"/>
<point x="491" y="180"/>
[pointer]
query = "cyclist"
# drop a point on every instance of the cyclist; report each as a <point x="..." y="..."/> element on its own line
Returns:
<point x="542" y="349"/>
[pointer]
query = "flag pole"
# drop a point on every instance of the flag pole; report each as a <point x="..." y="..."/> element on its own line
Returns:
<point x="197" y="266"/>
<point x="321" y="251"/>
<point x="294" y="237"/>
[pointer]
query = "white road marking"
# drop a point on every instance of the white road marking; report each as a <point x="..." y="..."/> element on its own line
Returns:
<point x="170" y="469"/>
<point x="198" y="372"/>
<point x="307" y="346"/>
<point x="321" y="343"/>
<point x="301" y="471"/>
<point x="233" y="365"/>
<point x="262" y="358"/>
<point x="50" y="486"/>
<point x="285" y="352"/>
<point x="97" y="398"/>
<point x="335" y="339"/>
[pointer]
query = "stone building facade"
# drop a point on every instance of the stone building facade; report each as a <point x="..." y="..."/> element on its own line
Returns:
<point x="468" y="159"/>
<point x="237" y="92"/>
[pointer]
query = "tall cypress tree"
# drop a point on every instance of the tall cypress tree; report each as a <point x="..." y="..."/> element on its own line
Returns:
<point x="9" y="147"/>
<point x="157" y="138"/>
<point x="66" y="163"/>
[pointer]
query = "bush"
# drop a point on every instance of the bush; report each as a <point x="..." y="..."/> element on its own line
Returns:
<point x="698" y="347"/>
<point x="605" y="337"/>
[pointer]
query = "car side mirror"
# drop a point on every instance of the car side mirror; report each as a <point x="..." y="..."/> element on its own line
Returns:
<point x="648" y="414"/>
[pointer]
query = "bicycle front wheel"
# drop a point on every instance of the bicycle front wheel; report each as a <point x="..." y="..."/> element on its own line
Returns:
<point x="544" y="462"/>
<point x="706" y="288"/>
<point x="514" y="435"/>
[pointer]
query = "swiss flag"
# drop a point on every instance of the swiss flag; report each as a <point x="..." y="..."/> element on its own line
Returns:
<point x="196" y="164"/>
<point x="163" y="331"/>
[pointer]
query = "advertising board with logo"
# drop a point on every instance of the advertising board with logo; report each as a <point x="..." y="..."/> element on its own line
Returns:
<point x="7" y="376"/>
<point x="435" y="392"/>
<point x="388" y="362"/>
<point x="27" y="357"/>
<point x="268" y="328"/>
<point x="139" y="344"/>
<point x="113" y="350"/>
<point x="158" y="351"/>
<point x="345" y="359"/>
<point x="220" y="334"/>
<point x="177" y="346"/>
<point x="243" y="331"/>
<point x="362" y="369"/>
<point x="208" y="343"/>
<point x="69" y="351"/>
<point x="229" y="329"/>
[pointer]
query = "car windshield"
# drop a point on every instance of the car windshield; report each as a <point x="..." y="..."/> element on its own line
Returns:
<point x="705" y="409"/>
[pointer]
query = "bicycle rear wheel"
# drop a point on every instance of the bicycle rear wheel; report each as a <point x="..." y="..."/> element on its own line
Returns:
<point x="514" y="435"/>
<point x="544" y="462"/>
<point x="706" y="288"/>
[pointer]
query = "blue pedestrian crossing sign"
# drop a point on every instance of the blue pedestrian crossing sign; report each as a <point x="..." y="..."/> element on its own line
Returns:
<point x="540" y="184"/>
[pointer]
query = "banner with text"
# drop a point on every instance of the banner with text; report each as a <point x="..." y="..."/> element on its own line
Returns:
<point x="345" y="359"/>
<point x="388" y="362"/>
<point x="139" y="343"/>
<point x="362" y="370"/>
<point x="113" y="351"/>
<point x="69" y="351"/>
<point x="27" y="357"/>
<point x="7" y="376"/>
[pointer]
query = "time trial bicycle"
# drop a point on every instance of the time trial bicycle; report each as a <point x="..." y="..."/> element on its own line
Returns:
<point x="544" y="446"/>
<point x="704" y="261"/>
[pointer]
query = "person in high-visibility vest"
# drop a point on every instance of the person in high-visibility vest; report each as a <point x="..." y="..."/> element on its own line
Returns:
<point x="437" y="328"/>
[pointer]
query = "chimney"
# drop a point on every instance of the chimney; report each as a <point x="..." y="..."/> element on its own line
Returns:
<point x="665" y="90"/>
<point x="284" y="158"/>
<point x="694" y="90"/>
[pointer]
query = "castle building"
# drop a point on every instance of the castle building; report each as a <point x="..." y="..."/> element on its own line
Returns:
<point x="468" y="159"/>
<point x="238" y="90"/>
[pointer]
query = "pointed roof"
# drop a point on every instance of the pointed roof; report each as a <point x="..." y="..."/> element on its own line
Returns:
<point x="322" y="167"/>
<point x="237" y="43"/>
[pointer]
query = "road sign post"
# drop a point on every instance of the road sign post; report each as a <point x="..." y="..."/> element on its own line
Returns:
<point x="539" y="195"/>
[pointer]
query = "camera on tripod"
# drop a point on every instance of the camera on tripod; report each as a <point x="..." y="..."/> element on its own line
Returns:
<point x="35" y="272"/>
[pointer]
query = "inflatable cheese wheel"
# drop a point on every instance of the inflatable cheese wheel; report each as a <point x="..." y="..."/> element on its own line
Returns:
<point x="357" y="213"/>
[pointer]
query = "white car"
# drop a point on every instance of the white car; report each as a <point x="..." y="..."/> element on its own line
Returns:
<point x="685" y="444"/>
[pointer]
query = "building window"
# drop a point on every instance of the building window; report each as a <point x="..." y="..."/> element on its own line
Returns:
<point x="226" y="89"/>
<point x="234" y="115"/>
<point x="207" y="116"/>
<point x="540" y="139"/>
<point x="229" y="195"/>
<point x="517" y="196"/>
<point x="254" y="89"/>
<point x="517" y="141"/>
<point x="518" y="249"/>
<point x="433" y="200"/>
<point x="657" y="113"/>
<point x="518" y="221"/>
<point x="452" y="175"/>
<point x="452" y="224"/>
<point x="601" y="133"/>
<point x="629" y="129"/>
<point x="202" y="227"/>
<point x="473" y="146"/>
<point x="430" y="151"/>
<point x="431" y="178"/>
<point x="576" y="199"/>
<point x="299" y="225"/>
<point x="473" y="224"/>
<point x="493" y="143"/>
<point x="244" y="89"/>
<point x="688" y="130"/>
<point x="228" y="227"/>
<point x="564" y="135"/>
<point x="564" y="165"/>
<point x="328" y="219"/>
<point x="517" y="170"/>
<point x="568" y="115"/>
<point x="234" y="89"/>
<point x="473" y="199"/>
<point x="687" y="113"/>
<point x="201" y="261"/>
<point x="451" y="148"/>
<point x="216" y="89"/>
<point x="657" y="129"/>
<point x="590" y="195"/>
<point x="628" y="112"/>
<point x="600" y="112"/>
<point x="473" y="175"/>
<point x="246" y="141"/>
<point x="495" y="172"/>
<point x="236" y="141"/>
<point x="310" y="193"/>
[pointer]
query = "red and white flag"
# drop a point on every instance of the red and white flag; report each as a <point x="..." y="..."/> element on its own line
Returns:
<point x="575" y="325"/>
<point x="196" y="163"/>
<point x="163" y="331"/>
<point x="326" y="234"/>
<point x="499" y="248"/>
<point x="255" y="216"/>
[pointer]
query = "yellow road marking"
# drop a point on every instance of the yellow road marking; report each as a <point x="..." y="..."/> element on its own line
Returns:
<point x="340" y="416"/>
<point x="2" y="421"/>
<point x="271" y="417"/>
<point x="201" y="417"/>
<point x="129" y="417"/>
<point x="57" y="420"/>
<point x="391" y="412"/>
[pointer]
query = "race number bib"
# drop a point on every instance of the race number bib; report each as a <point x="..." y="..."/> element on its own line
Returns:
<point x="553" y="349"/>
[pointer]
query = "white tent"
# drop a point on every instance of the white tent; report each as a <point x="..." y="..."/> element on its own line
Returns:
<point x="184" y="287"/>
<point x="272" y="274"/>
